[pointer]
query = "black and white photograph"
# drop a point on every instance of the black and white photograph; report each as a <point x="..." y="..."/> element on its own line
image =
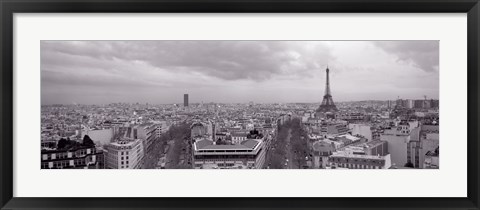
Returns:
<point x="239" y="104"/>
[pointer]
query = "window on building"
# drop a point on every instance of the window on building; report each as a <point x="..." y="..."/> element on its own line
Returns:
<point x="44" y="165"/>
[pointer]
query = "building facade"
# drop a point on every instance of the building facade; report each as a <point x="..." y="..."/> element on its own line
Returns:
<point x="351" y="117"/>
<point x="333" y="129"/>
<point x="398" y="139"/>
<point x="321" y="151"/>
<point x="247" y="155"/>
<point x="424" y="139"/>
<point x="431" y="160"/>
<point x="99" y="136"/>
<point x="124" y="154"/>
<point x="198" y="129"/>
<point x="185" y="100"/>
<point x="238" y="137"/>
<point x="352" y="161"/>
<point x="362" y="130"/>
<point x="81" y="157"/>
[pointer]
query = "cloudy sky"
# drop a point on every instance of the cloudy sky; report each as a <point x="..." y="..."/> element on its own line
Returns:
<point x="160" y="72"/>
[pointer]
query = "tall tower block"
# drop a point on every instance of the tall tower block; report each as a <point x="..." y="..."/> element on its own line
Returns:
<point x="185" y="100"/>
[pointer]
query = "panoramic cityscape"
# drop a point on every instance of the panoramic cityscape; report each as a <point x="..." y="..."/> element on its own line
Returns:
<point x="239" y="105"/>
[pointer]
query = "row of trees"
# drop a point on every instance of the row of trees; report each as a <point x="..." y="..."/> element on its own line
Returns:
<point x="291" y="142"/>
<point x="177" y="133"/>
<point x="299" y="143"/>
<point x="68" y="144"/>
<point x="180" y="134"/>
<point x="277" y="154"/>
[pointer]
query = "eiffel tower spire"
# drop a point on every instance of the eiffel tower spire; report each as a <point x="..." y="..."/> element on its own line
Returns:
<point x="327" y="85"/>
<point x="327" y="102"/>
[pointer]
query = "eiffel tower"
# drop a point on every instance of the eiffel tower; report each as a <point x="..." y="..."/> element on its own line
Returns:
<point x="327" y="103"/>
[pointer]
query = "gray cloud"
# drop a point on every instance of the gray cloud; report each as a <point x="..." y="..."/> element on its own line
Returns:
<point x="423" y="54"/>
<point x="235" y="71"/>
<point x="229" y="60"/>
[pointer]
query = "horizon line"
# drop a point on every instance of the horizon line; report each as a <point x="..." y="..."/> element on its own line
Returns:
<point x="210" y="102"/>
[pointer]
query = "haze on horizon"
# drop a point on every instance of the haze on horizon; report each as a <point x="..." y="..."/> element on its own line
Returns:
<point x="160" y="72"/>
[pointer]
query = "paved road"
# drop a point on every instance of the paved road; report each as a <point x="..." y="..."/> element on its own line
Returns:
<point x="170" y="154"/>
<point x="291" y="163"/>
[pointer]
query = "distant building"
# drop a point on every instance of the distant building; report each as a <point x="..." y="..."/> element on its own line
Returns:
<point x="248" y="154"/>
<point x="404" y="103"/>
<point x="373" y="148"/>
<point x="347" y="139"/>
<point x="148" y="132"/>
<point x="397" y="138"/>
<point x="306" y="116"/>
<point x="210" y="126"/>
<point x="124" y="154"/>
<point x="426" y="104"/>
<point x="321" y="151"/>
<point x="408" y="103"/>
<point x="78" y="157"/>
<point x="353" y="161"/>
<point x="333" y="128"/>
<point x="431" y="160"/>
<point x="434" y="103"/>
<point x="198" y="129"/>
<point x="238" y="137"/>
<point x="164" y="127"/>
<point x="351" y="117"/>
<point x="376" y="148"/>
<point x="362" y="130"/>
<point x="389" y="104"/>
<point x="185" y="100"/>
<point x="222" y="136"/>
<point x="400" y="103"/>
<point x="283" y="118"/>
<point x="419" y="104"/>
<point x="48" y="144"/>
<point x="100" y="136"/>
<point x="326" y="128"/>
<point x="423" y="140"/>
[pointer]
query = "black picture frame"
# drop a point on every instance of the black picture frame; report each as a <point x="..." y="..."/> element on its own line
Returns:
<point x="10" y="7"/>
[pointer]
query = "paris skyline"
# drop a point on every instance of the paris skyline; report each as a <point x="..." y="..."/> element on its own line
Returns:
<point x="160" y="72"/>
